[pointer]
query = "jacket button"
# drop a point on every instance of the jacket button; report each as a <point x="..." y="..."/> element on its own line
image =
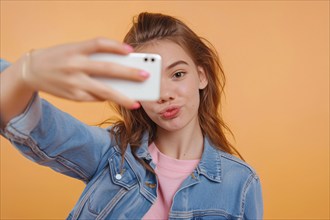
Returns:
<point x="118" y="176"/>
<point x="151" y="185"/>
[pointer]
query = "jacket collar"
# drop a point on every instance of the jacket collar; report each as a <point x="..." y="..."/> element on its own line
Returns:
<point x="209" y="165"/>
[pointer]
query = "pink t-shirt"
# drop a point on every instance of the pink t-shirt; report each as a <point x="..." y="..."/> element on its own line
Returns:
<point x="171" y="173"/>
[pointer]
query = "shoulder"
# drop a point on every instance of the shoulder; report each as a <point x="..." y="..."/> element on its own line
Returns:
<point x="232" y="160"/>
<point x="224" y="166"/>
<point x="233" y="168"/>
<point x="242" y="181"/>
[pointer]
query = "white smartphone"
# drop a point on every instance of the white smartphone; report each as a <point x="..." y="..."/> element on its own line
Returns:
<point x="149" y="90"/>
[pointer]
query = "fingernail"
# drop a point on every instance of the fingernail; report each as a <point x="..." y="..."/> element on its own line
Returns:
<point x="128" y="48"/>
<point x="136" y="105"/>
<point x="144" y="74"/>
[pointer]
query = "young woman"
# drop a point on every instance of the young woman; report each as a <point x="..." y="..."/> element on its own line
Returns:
<point x="167" y="159"/>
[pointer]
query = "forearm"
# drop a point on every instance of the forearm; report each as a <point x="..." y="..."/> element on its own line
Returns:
<point x="68" y="72"/>
<point x="53" y="138"/>
<point x="15" y="94"/>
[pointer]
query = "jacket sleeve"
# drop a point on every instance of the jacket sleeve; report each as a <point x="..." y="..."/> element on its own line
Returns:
<point x="253" y="203"/>
<point x="3" y="64"/>
<point x="50" y="137"/>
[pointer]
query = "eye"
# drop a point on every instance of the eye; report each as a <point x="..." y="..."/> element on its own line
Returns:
<point x="178" y="75"/>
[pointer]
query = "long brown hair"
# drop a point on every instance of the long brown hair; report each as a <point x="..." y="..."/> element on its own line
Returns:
<point x="149" y="27"/>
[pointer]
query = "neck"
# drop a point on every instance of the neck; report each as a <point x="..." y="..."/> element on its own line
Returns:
<point x="184" y="144"/>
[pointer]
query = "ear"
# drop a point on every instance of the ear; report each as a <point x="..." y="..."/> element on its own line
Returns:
<point x="202" y="77"/>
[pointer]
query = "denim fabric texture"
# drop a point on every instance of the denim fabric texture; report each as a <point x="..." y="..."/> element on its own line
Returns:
<point x="221" y="187"/>
<point x="3" y="64"/>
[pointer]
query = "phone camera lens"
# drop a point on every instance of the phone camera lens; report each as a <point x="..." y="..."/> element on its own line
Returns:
<point x="152" y="59"/>
<point x="145" y="59"/>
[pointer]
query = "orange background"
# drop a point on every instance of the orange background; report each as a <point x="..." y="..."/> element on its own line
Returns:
<point x="275" y="55"/>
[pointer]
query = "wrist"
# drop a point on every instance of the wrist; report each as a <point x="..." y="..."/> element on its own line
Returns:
<point x="23" y="73"/>
<point x="15" y="92"/>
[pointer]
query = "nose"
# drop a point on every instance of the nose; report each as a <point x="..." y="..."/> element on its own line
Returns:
<point x="166" y="92"/>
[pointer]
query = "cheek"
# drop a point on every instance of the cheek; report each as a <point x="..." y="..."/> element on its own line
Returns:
<point x="185" y="89"/>
<point x="145" y="105"/>
<point x="189" y="90"/>
<point x="191" y="93"/>
<point x="148" y="107"/>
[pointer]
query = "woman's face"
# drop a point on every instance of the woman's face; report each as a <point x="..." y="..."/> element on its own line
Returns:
<point x="181" y="81"/>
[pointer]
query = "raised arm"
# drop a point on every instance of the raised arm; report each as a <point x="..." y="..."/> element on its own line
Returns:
<point x="64" y="71"/>
<point x="44" y="133"/>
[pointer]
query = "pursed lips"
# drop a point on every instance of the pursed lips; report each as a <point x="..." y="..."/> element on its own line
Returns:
<point x="170" y="112"/>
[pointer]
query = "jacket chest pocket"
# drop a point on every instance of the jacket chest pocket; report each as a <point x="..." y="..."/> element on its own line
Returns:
<point x="115" y="181"/>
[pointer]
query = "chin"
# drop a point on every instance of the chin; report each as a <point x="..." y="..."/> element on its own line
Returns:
<point x="170" y="125"/>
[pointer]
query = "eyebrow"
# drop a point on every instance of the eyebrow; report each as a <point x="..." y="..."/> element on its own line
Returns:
<point x="176" y="63"/>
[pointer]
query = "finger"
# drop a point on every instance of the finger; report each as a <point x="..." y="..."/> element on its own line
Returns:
<point x="72" y="94"/>
<point x="68" y="89"/>
<point x="104" y="45"/>
<point x="103" y="92"/>
<point x="80" y="96"/>
<point x="113" y="70"/>
<point x="118" y="98"/>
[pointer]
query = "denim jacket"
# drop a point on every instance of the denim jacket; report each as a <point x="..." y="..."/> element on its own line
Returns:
<point x="221" y="186"/>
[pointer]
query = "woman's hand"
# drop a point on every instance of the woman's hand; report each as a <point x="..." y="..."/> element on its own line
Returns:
<point x="66" y="71"/>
